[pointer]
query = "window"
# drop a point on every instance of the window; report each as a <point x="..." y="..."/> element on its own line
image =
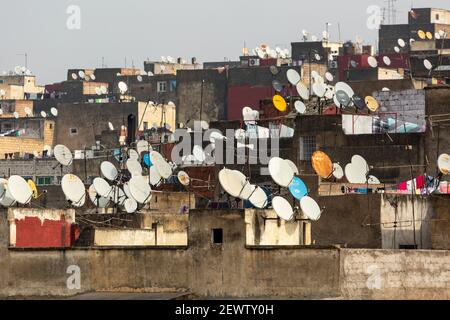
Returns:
<point x="307" y="147"/>
<point x="217" y="236"/>
<point x="73" y="131"/>
<point x="44" y="181"/>
<point x="50" y="126"/>
<point x="437" y="17"/>
<point x="173" y="85"/>
<point x="162" y="86"/>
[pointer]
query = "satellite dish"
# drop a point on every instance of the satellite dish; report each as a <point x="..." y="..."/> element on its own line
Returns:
<point x="199" y="154"/>
<point x="372" y="103"/>
<point x="317" y="57"/>
<point x="74" y="76"/>
<point x="54" y="112"/>
<point x="259" y="198"/>
<point x="356" y="171"/>
<point x="283" y="208"/>
<point x="111" y="126"/>
<point x="279" y="103"/>
<point x="277" y="86"/>
<point x="387" y="61"/>
<point x="373" y="180"/>
<point x="298" y="188"/>
<point x="162" y="166"/>
<point x="330" y="93"/>
<point x="93" y="77"/>
<point x="310" y="208"/>
<point x="359" y="102"/>
<point x="102" y="187"/>
<point x="427" y="64"/>
<point x="401" y="43"/>
<point x="293" y="76"/>
<point x="319" y="89"/>
<point x="429" y="35"/>
<point x="240" y="134"/>
<point x="74" y="190"/>
<point x="385" y="89"/>
<point x="300" y="107"/>
<point x="235" y="184"/>
<point x="28" y="111"/>
<point x="342" y="99"/>
<point x="281" y="172"/>
<point x="20" y="190"/>
<point x="123" y="87"/>
<point x="49" y="150"/>
<point x="422" y="35"/>
<point x="140" y="189"/>
<point x="109" y="171"/>
<point x="139" y="78"/>
<point x="98" y="91"/>
<point x="96" y="199"/>
<point x="130" y="205"/>
<point x="143" y="146"/>
<point x="329" y="77"/>
<point x="63" y="155"/>
<point x="16" y="115"/>
<point x="338" y="172"/>
<point x="134" y="167"/>
<point x="43" y="114"/>
<point x="154" y="176"/>
<point x="81" y="74"/>
<point x="344" y="87"/>
<point x="322" y="164"/>
<point x="184" y="178"/>
<point x="117" y="195"/>
<point x="6" y="199"/>
<point x="302" y="91"/>
<point x="444" y="164"/>
<point x="372" y="62"/>
<point x="274" y="70"/>
<point x="397" y="49"/>
<point x="33" y="189"/>
<point x="133" y="155"/>
<point x="104" y="89"/>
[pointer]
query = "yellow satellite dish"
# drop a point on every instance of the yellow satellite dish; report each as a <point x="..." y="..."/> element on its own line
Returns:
<point x="372" y="103"/>
<point x="279" y="103"/>
<point x="322" y="164"/>
<point x="33" y="188"/>
<point x="422" y="35"/>
<point x="429" y="36"/>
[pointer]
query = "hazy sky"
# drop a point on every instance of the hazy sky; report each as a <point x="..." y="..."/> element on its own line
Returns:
<point x="136" y="29"/>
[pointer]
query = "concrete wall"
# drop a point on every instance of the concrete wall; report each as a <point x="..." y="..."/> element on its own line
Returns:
<point x="388" y="274"/>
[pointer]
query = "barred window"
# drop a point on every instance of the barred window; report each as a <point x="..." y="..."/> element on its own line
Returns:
<point x="307" y="147"/>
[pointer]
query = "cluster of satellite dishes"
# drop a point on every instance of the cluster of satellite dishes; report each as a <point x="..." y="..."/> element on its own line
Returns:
<point x="29" y="113"/>
<point x="265" y="52"/>
<point x="21" y="71"/>
<point x="322" y="88"/>
<point x="169" y="59"/>
<point x="81" y="75"/>
<point x="307" y="37"/>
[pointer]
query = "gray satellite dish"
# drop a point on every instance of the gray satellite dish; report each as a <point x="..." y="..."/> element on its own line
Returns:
<point x="109" y="171"/>
<point x="54" y="112"/>
<point x="6" y="199"/>
<point x="130" y="205"/>
<point x="63" y="155"/>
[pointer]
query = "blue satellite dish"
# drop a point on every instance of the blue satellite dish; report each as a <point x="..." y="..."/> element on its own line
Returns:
<point x="298" y="188"/>
<point x="147" y="161"/>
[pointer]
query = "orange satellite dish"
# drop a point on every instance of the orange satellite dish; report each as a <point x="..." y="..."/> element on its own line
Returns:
<point x="322" y="164"/>
<point x="279" y="103"/>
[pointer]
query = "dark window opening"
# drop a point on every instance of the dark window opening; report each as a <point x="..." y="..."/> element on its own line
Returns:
<point x="217" y="236"/>
<point x="407" y="247"/>
<point x="73" y="131"/>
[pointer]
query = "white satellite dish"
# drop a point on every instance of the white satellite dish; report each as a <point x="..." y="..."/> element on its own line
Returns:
<point x="74" y="190"/>
<point x="63" y="155"/>
<point x="283" y="208"/>
<point x="397" y="49"/>
<point x="293" y="166"/>
<point x="444" y="163"/>
<point x="302" y="91"/>
<point x="338" y="172"/>
<point x="54" y="112"/>
<point x="300" y="107"/>
<point x="373" y="180"/>
<point x="134" y="167"/>
<point x="199" y="154"/>
<point x="356" y="171"/>
<point x="96" y="199"/>
<point x="319" y="89"/>
<point x="154" y="176"/>
<point x="28" y="111"/>
<point x="372" y="62"/>
<point x="387" y="61"/>
<point x="133" y="155"/>
<point x="111" y="126"/>
<point x="74" y="76"/>
<point x="104" y="89"/>
<point x="329" y="94"/>
<point x="162" y="166"/>
<point x="81" y="74"/>
<point x="16" y="115"/>
<point x="401" y="43"/>
<point x="427" y="64"/>
<point x="109" y="171"/>
<point x="93" y="77"/>
<point x="235" y="183"/>
<point x="259" y="198"/>
<point x="130" y="205"/>
<point x="184" y="178"/>
<point x="310" y="208"/>
<point x="49" y="150"/>
<point x="123" y="87"/>
<point x="102" y="187"/>
<point x="20" y="190"/>
<point x="281" y="172"/>
<point x="293" y="76"/>
<point x="329" y="77"/>
<point x="6" y="199"/>
<point x="143" y="146"/>
<point x="139" y="78"/>
<point x="43" y="114"/>
<point x="117" y="195"/>
<point x="140" y="189"/>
